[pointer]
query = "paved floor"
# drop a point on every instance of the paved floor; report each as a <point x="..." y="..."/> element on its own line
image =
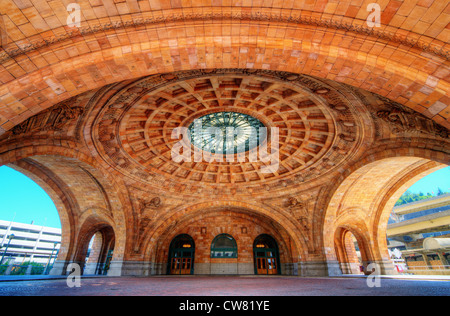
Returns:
<point x="224" y="286"/>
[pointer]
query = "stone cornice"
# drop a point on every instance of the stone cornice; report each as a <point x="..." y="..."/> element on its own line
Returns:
<point x="8" y="54"/>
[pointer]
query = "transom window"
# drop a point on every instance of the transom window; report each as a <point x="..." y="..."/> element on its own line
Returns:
<point x="224" y="246"/>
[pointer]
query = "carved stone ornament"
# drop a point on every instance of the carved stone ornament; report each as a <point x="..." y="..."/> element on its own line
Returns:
<point x="304" y="222"/>
<point x="401" y="121"/>
<point x="295" y="18"/>
<point x="294" y="203"/>
<point x="154" y="203"/>
<point x="144" y="217"/>
<point x="53" y="119"/>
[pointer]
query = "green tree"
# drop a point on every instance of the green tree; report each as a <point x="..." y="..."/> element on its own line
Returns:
<point x="409" y="197"/>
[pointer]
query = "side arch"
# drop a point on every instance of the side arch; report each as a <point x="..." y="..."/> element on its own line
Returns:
<point x="79" y="188"/>
<point x="192" y="211"/>
<point x="372" y="186"/>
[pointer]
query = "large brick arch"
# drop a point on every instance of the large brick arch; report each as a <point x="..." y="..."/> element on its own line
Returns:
<point x="395" y="71"/>
<point x="86" y="199"/>
<point x="299" y="251"/>
<point x="230" y="222"/>
<point x="94" y="221"/>
<point x="125" y="49"/>
<point x="60" y="195"/>
<point x="371" y="188"/>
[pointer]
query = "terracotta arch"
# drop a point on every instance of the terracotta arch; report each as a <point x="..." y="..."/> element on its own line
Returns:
<point x="395" y="78"/>
<point x="94" y="221"/>
<point x="40" y="161"/>
<point x="373" y="185"/>
<point x="352" y="221"/>
<point x="192" y="211"/>
<point x="204" y="240"/>
<point x="63" y="199"/>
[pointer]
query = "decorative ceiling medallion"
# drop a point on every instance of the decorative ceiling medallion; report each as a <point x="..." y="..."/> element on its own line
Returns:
<point x="227" y="133"/>
<point x="135" y="128"/>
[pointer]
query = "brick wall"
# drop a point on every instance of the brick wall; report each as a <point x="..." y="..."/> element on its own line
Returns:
<point x="243" y="228"/>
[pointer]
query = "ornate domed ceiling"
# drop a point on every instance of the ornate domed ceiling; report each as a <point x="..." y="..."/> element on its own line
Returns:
<point x="316" y="125"/>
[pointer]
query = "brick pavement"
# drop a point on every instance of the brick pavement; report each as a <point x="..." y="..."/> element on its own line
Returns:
<point x="197" y="286"/>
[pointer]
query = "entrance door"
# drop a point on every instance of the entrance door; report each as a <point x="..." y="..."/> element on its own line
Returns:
<point x="265" y="263"/>
<point x="181" y="255"/>
<point x="266" y="255"/>
<point x="181" y="266"/>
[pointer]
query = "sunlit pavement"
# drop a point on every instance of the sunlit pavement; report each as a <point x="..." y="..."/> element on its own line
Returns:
<point x="225" y="286"/>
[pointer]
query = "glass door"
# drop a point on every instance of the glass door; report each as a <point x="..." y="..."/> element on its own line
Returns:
<point x="266" y="256"/>
<point x="181" y="255"/>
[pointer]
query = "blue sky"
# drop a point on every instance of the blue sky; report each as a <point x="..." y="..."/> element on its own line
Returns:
<point x="24" y="201"/>
<point x="431" y="183"/>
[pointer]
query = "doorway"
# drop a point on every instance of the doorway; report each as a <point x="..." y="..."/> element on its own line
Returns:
<point x="267" y="260"/>
<point x="181" y="255"/>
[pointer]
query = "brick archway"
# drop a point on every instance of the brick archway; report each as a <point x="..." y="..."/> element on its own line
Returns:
<point x="317" y="50"/>
<point x="346" y="251"/>
<point x="61" y="198"/>
<point x="156" y="244"/>
<point x="94" y="222"/>
<point x="81" y="193"/>
<point x="349" y="100"/>
<point x="364" y="209"/>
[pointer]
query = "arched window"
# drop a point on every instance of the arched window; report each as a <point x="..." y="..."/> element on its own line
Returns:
<point x="224" y="246"/>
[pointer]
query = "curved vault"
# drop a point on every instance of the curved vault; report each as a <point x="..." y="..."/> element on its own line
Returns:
<point x="86" y="203"/>
<point x="398" y="60"/>
<point x="363" y="202"/>
<point x="109" y="93"/>
<point x="333" y="139"/>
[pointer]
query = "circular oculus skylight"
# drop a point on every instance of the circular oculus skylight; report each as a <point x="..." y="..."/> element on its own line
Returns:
<point x="227" y="133"/>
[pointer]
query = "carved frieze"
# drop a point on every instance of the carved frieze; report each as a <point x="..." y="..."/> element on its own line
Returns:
<point x="145" y="213"/>
<point x="402" y="121"/>
<point x="295" y="18"/>
<point x="54" y="119"/>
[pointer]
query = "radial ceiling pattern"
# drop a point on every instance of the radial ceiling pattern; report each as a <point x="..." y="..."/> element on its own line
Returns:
<point x="136" y="127"/>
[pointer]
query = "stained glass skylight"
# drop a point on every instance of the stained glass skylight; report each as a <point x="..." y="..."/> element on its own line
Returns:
<point x="227" y="133"/>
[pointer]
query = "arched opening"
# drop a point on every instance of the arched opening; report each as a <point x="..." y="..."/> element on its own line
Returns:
<point x="351" y="252"/>
<point x="97" y="259"/>
<point x="86" y="202"/>
<point x="181" y="255"/>
<point x="30" y="226"/>
<point x="363" y="203"/>
<point x="266" y="255"/>
<point x="419" y="227"/>
<point x="100" y="253"/>
<point x="208" y="226"/>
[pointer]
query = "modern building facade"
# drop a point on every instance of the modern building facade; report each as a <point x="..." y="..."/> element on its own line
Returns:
<point x="421" y="231"/>
<point x="123" y="120"/>
<point x="28" y="243"/>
